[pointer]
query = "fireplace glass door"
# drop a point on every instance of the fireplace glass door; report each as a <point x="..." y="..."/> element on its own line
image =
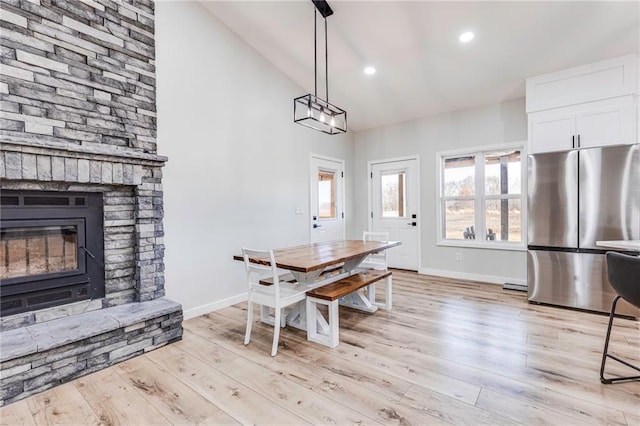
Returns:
<point x="44" y="250"/>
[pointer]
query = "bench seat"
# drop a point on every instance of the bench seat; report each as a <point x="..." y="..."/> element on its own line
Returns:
<point x="348" y="285"/>
<point x="329" y="296"/>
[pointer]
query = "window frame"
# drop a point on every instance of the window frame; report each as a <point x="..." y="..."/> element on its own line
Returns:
<point x="480" y="196"/>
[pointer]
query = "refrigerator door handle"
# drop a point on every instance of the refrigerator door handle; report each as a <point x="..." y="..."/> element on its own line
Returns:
<point x="578" y="141"/>
<point x="573" y="141"/>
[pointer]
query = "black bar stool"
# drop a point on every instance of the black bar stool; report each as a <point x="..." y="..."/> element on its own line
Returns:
<point x="624" y="276"/>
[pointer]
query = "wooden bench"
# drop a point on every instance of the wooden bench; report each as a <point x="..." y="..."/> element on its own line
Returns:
<point x="329" y="296"/>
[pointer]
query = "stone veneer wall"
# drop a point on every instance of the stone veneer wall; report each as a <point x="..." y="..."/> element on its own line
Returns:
<point x="79" y="72"/>
<point x="78" y="113"/>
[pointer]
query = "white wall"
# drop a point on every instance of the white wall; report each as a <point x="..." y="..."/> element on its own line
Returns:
<point x="425" y="137"/>
<point x="238" y="165"/>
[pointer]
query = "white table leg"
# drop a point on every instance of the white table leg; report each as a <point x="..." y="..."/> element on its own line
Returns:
<point x="266" y="318"/>
<point x="358" y="300"/>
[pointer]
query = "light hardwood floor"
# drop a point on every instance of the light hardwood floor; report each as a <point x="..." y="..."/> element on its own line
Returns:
<point x="450" y="352"/>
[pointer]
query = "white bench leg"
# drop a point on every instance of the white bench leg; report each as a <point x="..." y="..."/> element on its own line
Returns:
<point x="329" y="338"/>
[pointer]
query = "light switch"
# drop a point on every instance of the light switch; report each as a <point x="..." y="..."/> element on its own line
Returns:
<point x="299" y="210"/>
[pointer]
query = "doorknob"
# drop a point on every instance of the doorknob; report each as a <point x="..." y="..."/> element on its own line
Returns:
<point x="315" y="225"/>
<point x="412" y="223"/>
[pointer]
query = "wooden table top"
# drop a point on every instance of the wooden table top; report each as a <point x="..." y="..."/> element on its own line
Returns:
<point x="311" y="257"/>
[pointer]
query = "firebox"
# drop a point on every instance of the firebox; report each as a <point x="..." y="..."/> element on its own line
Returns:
<point x="51" y="249"/>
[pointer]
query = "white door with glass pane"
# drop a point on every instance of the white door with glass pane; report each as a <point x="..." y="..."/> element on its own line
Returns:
<point x="327" y="199"/>
<point x="395" y="209"/>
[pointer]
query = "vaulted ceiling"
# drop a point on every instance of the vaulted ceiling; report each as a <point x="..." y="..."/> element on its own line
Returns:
<point x="422" y="68"/>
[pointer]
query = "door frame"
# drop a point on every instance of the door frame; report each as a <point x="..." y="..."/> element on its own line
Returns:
<point x="370" y="164"/>
<point x="342" y="187"/>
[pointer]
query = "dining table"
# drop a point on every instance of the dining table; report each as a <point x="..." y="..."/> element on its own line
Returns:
<point x="317" y="264"/>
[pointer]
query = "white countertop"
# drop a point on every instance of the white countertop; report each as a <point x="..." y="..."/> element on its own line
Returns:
<point x="633" y="245"/>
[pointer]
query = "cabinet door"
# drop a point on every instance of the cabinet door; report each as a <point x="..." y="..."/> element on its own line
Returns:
<point x="609" y="122"/>
<point x="587" y="83"/>
<point x="552" y="130"/>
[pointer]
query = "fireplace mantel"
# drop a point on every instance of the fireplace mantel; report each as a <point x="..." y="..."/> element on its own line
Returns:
<point x="85" y="150"/>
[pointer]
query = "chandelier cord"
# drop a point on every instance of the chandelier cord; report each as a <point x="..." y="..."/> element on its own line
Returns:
<point x="326" y="61"/>
<point x="315" y="53"/>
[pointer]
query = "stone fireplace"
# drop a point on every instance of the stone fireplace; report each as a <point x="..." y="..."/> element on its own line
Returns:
<point x="81" y="248"/>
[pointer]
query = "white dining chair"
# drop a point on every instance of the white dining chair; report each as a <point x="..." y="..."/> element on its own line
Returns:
<point x="277" y="295"/>
<point x="376" y="260"/>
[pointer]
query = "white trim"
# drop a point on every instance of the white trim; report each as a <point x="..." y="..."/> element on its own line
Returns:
<point x="489" y="279"/>
<point x="418" y="201"/>
<point x="214" y="306"/>
<point x="325" y="157"/>
<point x="474" y="149"/>
<point x="482" y="244"/>
<point x="395" y="159"/>
<point x="342" y="191"/>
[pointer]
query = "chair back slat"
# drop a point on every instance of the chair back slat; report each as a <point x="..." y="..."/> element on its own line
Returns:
<point x="376" y="260"/>
<point x="375" y="236"/>
<point x="261" y="264"/>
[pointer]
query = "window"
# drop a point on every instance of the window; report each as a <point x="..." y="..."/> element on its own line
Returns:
<point x="481" y="198"/>
<point x="393" y="194"/>
<point x="326" y="194"/>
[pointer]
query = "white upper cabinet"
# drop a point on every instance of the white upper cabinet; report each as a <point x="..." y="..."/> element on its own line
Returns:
<point x="609" y="122"/>
<point x="600" y="123"/>
<point x="552" y="130"/>
<point x="601" y="80"/>
<point x="587" y="106"/>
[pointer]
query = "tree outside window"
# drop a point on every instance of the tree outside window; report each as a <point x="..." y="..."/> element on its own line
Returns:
<point x="481" y="197"/>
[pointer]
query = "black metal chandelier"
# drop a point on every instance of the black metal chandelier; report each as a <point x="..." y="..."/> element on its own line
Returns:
<point x="311" y="110"/>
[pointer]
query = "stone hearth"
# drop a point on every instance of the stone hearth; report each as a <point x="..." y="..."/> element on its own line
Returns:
<point x="77" y="113"/>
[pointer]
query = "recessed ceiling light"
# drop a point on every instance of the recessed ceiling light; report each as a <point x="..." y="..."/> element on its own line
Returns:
<point x="369" y="70"/>
<point x="466" y="37"/>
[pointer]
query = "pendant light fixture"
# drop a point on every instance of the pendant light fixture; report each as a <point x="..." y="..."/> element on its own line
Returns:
<point x="311" y="110"/>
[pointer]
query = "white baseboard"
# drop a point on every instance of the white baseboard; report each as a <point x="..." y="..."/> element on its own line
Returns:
<point x="210" y="307"/>
<point x="491" y="279"/>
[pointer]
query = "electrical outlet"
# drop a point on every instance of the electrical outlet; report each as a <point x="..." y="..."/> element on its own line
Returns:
<point x="458" y="257"/>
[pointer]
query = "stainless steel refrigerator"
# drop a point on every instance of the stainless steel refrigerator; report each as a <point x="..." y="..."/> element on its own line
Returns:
<point x="576" y="198"/>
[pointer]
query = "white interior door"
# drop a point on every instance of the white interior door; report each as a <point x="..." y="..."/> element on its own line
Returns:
<point x="327" y="199"/>
<point x="395" y="209"/>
